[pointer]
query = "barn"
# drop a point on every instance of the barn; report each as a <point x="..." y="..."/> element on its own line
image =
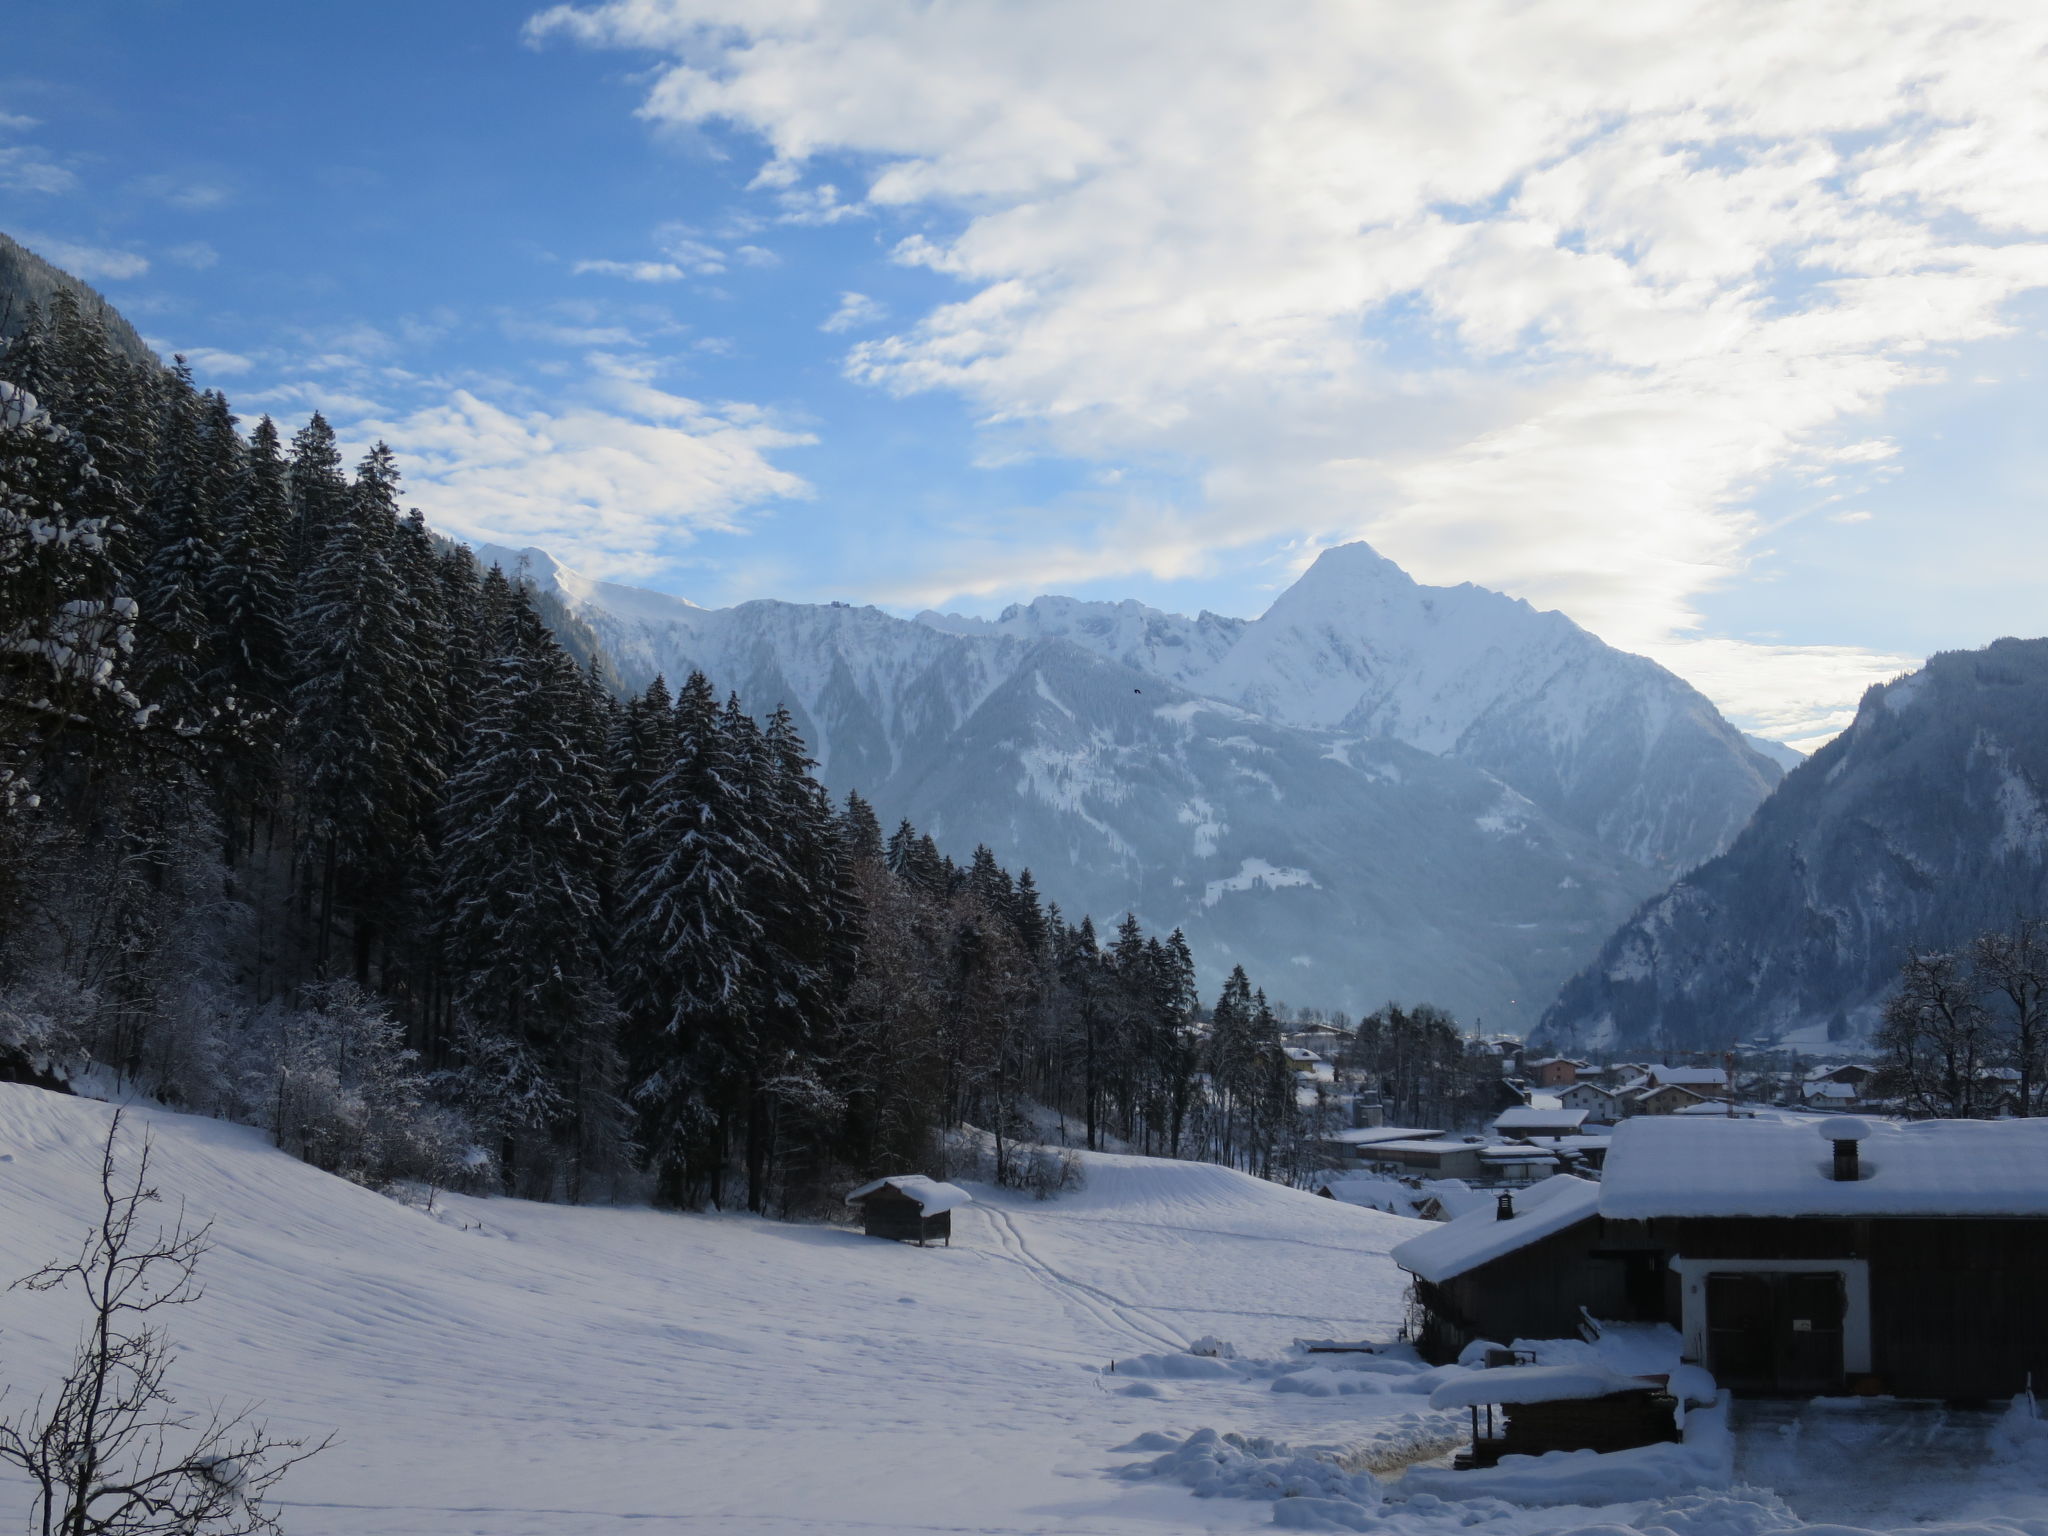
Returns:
<point x="1794" y="1259"/>
<point x="910" y="1208"/>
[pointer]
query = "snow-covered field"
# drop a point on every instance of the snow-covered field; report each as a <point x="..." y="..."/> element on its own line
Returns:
<point x="510" y="1369"/>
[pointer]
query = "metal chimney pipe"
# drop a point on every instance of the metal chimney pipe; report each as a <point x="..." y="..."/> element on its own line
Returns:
<point x="1505" y="1211"/>
<point x="1845" y="1133"/>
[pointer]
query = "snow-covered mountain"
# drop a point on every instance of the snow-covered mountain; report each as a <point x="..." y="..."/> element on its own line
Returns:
<point x="1924" y="823"/>
<point x="1608" y="742"/>
<point x="1376" y="790"/>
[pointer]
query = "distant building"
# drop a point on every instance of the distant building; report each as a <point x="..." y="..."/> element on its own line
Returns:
<point x="1598" y="1104"/>
<point x="1553" y="1071"/>
<point x="1524" y="1121"/>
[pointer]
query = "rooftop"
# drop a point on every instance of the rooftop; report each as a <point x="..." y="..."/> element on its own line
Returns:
<point x="1717" y="1167"/>
<point x="1479" y="1237"/>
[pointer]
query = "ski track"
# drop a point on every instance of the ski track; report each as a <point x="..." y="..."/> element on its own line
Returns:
<point x="1104" y="1307"/>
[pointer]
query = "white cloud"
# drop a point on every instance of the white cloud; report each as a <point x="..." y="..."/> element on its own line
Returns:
<point x="196" y="254"/>
<point x="1532" y="295"/>
<point x="190" y="193"/>
<point x="856" y="311"/>
<point x="633" y="271"/>
<point x="25" y="168"/>
<point x="614" y="483"/>
<point x="209" y="361"/>
<point x="87" y="261"/>
<point x="15" y="122"/>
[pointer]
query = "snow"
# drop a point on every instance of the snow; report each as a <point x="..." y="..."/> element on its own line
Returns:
<point x="933" y="1197"/>
<point x="1711" y="1166"/>
<point x="510" y="1369"/>
<point x="1533" y="1384"/>
<point x="1526" y="1117"/>
<point x="1116" y="1362"/>
<point x="1479" y="1237"/>
<point x="1256" y="872"/>
<point x="1368" y="1135"/>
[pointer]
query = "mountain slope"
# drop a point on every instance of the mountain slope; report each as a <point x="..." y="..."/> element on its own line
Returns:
<point x="1607" y="742"/>
<point x="1339" y="865"/>
<point x="1922" y="824"/>
<point x="25" y="279"/>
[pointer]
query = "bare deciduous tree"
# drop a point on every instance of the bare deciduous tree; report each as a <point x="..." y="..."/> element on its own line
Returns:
<point x="1936" y="1037"/>
<point x="110" y="1452"/>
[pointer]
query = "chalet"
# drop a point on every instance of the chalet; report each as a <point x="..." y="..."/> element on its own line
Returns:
<point x="1425" y="1159"/>
<point x="1794" y="1259"/>
<point x="1525" y="1121"/>
<point x="1553" y="1072"/>
<point x="1598" y="1103"/>
<point x="1660" y="1099"/>
<point x="1305" y="1061"/>
<point x="1356" y="1144"/>
<point x="909" y="1208"/>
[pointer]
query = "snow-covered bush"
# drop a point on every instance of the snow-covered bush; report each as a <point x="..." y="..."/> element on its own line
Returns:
<point x="334" y="1083"/>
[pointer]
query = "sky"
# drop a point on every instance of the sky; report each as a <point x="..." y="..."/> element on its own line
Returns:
<point x="1718" y="326"/>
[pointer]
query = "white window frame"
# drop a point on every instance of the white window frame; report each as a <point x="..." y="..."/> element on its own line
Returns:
<point x="1855" y="1273"/>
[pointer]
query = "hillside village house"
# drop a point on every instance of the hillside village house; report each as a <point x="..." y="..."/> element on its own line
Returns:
<point x="1553" y="1072"/>
<point x="1598" y="1104"/>
<point x="1794" y="1259"/>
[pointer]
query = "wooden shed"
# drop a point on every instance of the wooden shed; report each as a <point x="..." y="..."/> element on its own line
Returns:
<point x="910" y="1208"/>
<point x="1794" y="1259"/>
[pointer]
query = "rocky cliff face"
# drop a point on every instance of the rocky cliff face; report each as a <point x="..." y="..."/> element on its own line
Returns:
<point x="1924" y="823"/>
<point x="1333" y="794"/>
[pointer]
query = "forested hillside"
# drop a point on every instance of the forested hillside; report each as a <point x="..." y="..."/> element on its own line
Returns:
<point x="308" y="820"/>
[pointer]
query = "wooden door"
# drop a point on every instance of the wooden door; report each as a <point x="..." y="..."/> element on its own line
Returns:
<point x="1776" y="1332"/>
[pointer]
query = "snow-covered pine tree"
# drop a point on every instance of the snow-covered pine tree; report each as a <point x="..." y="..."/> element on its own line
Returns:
<point x="366" y="782"/>
<point x="527" y="846"/>
<point x="687" y="935"/>
<point x="197" y="463"/>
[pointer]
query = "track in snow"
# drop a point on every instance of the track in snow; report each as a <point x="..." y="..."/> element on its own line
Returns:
<point x="1104" y="1307"/>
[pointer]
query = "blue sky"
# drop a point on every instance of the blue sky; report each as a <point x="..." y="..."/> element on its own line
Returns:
<point x="1721" y="332"/>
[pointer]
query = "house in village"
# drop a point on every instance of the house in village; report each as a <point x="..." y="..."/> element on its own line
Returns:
<point x="1600" y="1104"/>
<point x="1525" y="1122"/>
<point x="1553" y="1072"/>
<point x="1794" y="1259"/>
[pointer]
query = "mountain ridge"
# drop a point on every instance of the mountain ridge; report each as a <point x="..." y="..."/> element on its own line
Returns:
<point x="1080" y="739"/>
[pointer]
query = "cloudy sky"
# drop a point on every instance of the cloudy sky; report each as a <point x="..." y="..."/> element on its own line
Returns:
<point x="1719" y="326"/>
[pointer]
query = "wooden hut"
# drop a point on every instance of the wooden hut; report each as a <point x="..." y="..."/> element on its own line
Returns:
<point x="1794" y="1259"/>
<point x="909" y="1208"/>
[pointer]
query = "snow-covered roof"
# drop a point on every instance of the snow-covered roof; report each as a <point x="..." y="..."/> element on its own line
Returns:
<point x="1690" y="1077"/>
<point x="1527" y="1117"/>
<point x="1479" y="1237"/>
<point x="1363" y="1135"/>
<point x="1719" y="1167"/>
<point x="1832" y="1090"/>
<point x="1420" y="1145"/>
<point x="1534" y="1384"/>
<point x="1517" y="1152"/>
<point x="931" y="1195"/>
<point x="1299" y="1053"/>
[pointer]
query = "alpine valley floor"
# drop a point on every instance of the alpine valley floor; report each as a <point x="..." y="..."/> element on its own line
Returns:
<point x="509" y="1369"/>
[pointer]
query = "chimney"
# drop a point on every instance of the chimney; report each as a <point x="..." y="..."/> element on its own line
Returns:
<point x="1845" y="1134"/>
<point x="1505" y="1211"/>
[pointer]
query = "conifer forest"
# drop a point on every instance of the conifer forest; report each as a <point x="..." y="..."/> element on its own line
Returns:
<point x="313" y="823"/>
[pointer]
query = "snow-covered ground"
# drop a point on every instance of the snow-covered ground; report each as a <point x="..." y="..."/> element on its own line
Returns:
<point x="509" y="1369"/>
